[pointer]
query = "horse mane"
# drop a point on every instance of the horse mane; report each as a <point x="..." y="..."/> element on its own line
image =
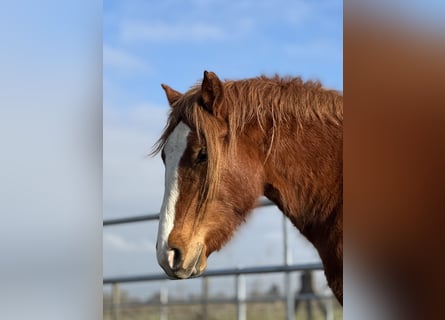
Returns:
<point x="282" y="99"/>
<point x="279" y="100"/>
<point x="269" y="102"/>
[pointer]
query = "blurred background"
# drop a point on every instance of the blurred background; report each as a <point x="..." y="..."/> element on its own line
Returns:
<point x="146" y="43"/>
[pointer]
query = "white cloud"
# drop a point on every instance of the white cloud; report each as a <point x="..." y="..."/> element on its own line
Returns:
<point x="119" y="59"/>
<point x="132" y="31"/>
<point x="116" y="242"/>
<point x="133" y="181"/>
<point x="315" y="49"/>
<point x="145" y="117"/>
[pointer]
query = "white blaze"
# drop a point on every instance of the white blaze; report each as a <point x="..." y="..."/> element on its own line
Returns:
<point x="173" y="150"/>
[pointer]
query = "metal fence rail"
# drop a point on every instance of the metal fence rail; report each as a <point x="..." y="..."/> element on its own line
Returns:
<point x="220" y="272"/>
<point x="240" y="287"/>
<point x="240" y="300"/>
<point x="147" y="217"/>
<point x="150" y="217"/>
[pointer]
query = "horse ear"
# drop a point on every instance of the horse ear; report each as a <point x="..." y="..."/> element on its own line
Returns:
<point x="172" y="95"/>
<point x="211" y="91"/>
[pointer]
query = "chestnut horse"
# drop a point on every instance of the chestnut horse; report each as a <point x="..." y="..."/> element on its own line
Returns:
<point x="228" y="143"/>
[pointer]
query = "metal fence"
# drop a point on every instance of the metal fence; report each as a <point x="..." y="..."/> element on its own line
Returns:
<point x="240" y="298"/>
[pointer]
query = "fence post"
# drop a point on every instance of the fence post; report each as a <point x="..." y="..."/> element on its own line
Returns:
<point x="240" y="297"/>
<point x="329" y="311"/>
<point x="115" y="303"/>
<point x="289" y="288"/>
<point x="309" y="315"/>
<point x="205" y="298"/>
<point x="163" y="297"/>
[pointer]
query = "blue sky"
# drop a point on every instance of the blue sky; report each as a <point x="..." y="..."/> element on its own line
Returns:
<point x="149" y="42"/>
<point x="146" y="43"/>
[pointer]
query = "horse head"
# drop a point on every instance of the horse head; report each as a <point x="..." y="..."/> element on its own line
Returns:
<point x="211" y="181"/>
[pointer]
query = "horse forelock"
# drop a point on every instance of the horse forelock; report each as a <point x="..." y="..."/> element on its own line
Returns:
<point x="207" y="129"/>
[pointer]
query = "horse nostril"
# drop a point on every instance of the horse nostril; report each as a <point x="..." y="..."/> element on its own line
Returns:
<point x="174" y="258"/>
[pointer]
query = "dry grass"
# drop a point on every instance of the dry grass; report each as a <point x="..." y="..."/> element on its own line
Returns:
<point x="255" y="311"/>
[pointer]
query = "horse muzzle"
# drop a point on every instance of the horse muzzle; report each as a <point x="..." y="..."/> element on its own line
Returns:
<point x="179" y="263"/>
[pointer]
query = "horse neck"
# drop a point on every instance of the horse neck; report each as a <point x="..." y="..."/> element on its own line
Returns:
<point x="303" y="174"/>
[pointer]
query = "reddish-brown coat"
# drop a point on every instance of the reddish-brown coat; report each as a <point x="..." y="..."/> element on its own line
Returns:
<point x="278" y="137"/>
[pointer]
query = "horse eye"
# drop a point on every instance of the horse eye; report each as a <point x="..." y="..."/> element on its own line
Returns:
<point x="202" y="156"/>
